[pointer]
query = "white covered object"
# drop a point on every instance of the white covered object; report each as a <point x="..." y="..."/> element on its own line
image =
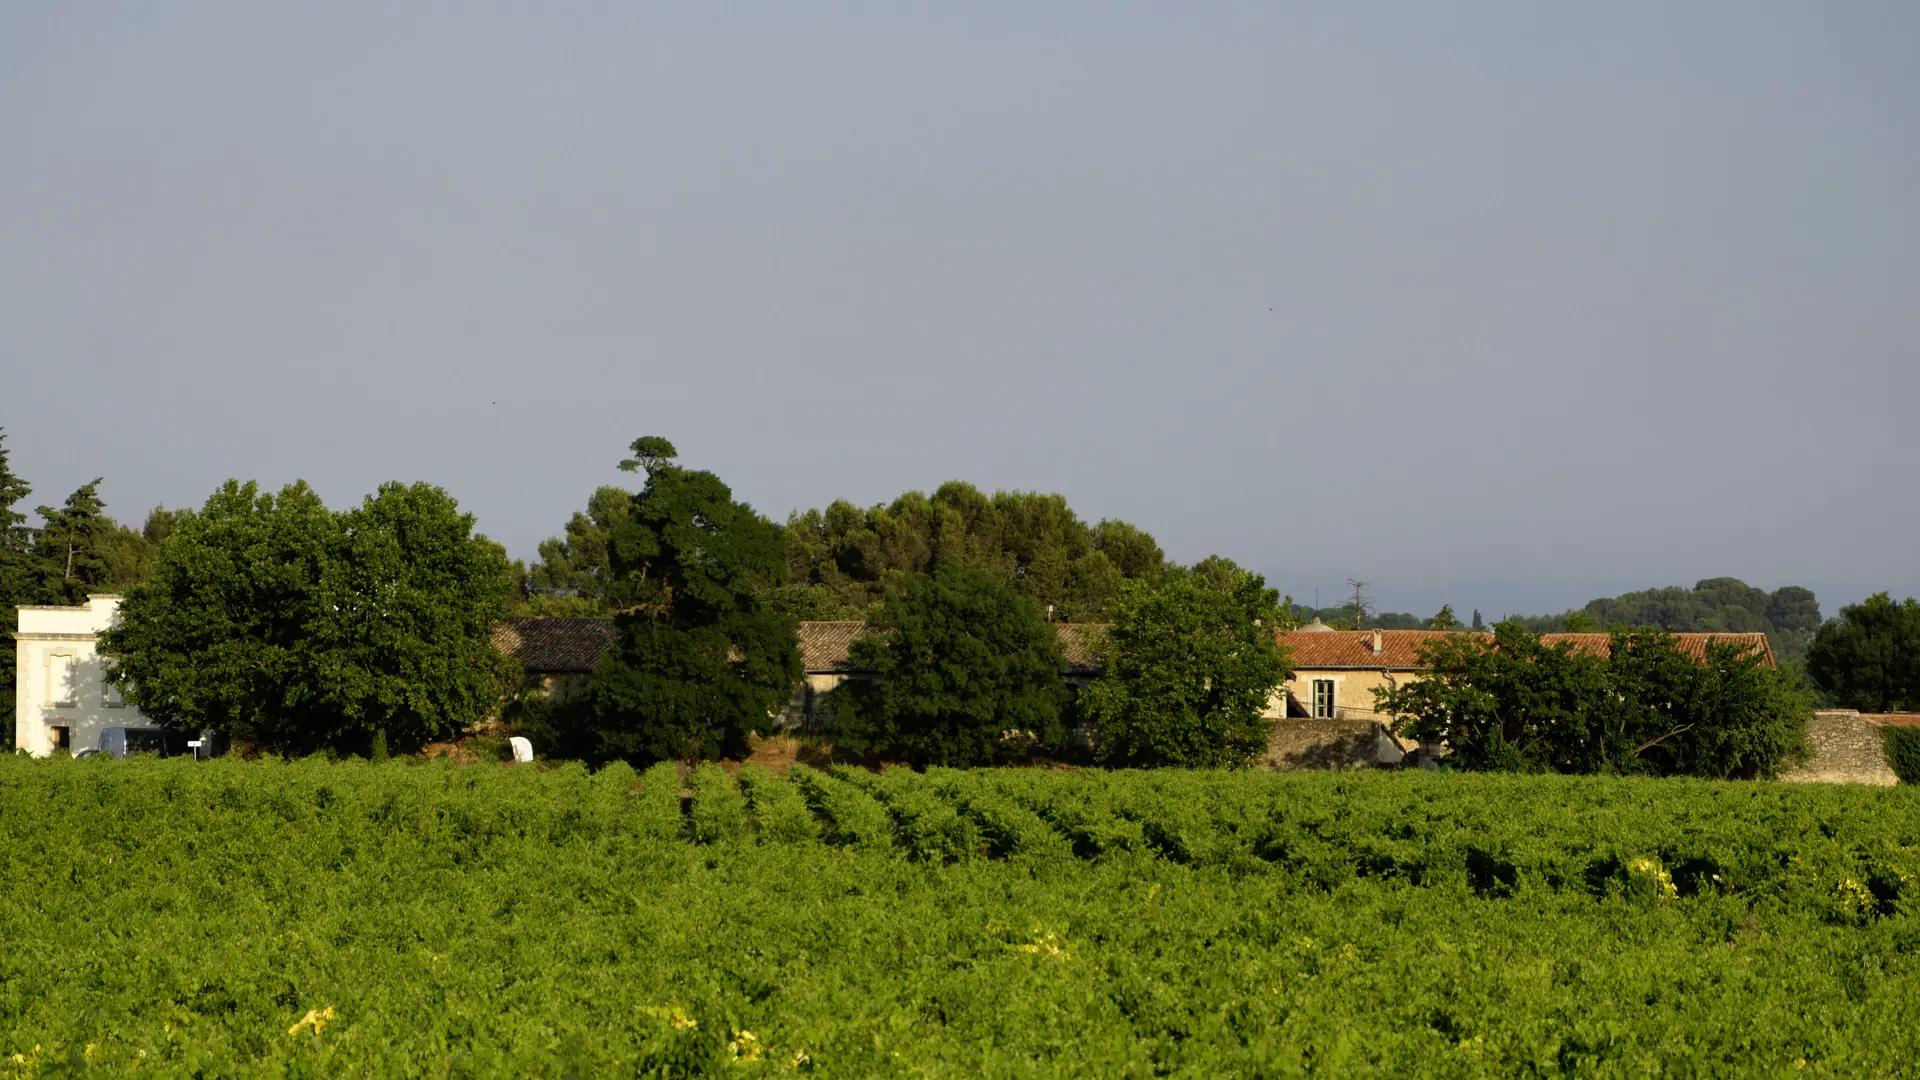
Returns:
<point x="522" y="749"/>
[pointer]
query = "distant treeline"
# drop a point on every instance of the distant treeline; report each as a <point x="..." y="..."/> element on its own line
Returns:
<point x="843" y="560"/>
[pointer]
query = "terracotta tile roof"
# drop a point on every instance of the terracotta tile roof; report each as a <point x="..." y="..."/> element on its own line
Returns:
<point x="552" y="645"/>
<point x="1694" y="645"/>
<point x="1078" y="639"/>
<point x="1892" y="719"/>
<point x="1400" y="649"/>
<point x="824" y="645"/>
<point x="1354" y="648"/>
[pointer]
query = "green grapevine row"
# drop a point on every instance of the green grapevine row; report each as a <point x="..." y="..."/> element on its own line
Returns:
<point x="234" y="918"/>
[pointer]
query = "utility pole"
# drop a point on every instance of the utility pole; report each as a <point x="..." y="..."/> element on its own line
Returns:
<point x="1359" y="603"/>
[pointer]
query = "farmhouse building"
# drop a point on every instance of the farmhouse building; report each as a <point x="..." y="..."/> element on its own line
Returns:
<point x="61" y="699"/>
<point x="1325" y="715"/>
<point x="1337" y="671"/>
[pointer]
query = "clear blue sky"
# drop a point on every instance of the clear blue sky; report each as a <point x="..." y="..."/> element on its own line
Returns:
<point x="1506" y="305"/>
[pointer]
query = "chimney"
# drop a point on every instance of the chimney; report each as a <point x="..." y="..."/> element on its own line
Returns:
<point x="1376" y="643"/>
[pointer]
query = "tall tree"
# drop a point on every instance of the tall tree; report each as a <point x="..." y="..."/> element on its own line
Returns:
<point x="25" y="578"/>
<point x="220" y="636"/>
<point x="75" y="539"/>
<point x="407" y="606"/>
<point x="1188" y="667"/>
<point x="1869" y="657"/>
<point x="960" y="662"/>
<point x="698" y="662"/>
<point x="1444" y="620"/>
<point x="160" y="523"/>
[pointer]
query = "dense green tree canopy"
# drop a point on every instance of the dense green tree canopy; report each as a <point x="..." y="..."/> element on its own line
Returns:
<point x="1033" y="542"/>
<point x="573" y="576"/>
<point x="964" y="668"/>
<point x="1506" y="703"/>
<point x="1188" y="667"/>
<point x="74" y="539"/>
<point x="271" y="618"/>
<point x="1869" y="657"/>
<point x="406" y="613"/>
<point x="128" y="557"/>
<point x="219" y="635"/>
<point x="1513" y="702"/>
<point x="699" y="662"/>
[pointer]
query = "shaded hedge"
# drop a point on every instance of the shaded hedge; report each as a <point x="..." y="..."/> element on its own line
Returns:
<point x="1903" y="752"/>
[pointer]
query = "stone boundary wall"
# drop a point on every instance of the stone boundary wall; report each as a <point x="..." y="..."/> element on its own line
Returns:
<point x="1297" y="743"/>
<point x="1847" y="749"/>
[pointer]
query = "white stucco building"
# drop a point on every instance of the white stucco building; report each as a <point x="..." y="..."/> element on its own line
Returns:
<point x="60" y="699"/>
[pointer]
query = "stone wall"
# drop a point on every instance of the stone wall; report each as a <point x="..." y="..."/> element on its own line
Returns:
<point x="1344" y="743"/>
<point x="1847" y="749"/>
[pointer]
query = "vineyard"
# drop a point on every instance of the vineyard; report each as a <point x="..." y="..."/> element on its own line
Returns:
<point x="229" y="918"/>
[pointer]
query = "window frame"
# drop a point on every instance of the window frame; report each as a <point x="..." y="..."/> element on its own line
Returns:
<point x="1331" y="709"/>
<point x="72" y="689"/>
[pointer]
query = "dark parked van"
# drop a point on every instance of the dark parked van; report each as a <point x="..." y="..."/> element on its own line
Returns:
<point x="118" y="742"/>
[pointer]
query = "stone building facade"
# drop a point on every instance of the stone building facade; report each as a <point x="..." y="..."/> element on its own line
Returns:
<point x="62" y="700"/>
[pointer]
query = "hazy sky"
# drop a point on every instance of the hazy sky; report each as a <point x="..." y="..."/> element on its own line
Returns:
<point x="1502" y="305"/>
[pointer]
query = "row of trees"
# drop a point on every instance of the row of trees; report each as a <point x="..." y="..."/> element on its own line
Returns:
<point x="77" y="549"/>
<point x="967" y="667"/>
<point x="269" y="617"/>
